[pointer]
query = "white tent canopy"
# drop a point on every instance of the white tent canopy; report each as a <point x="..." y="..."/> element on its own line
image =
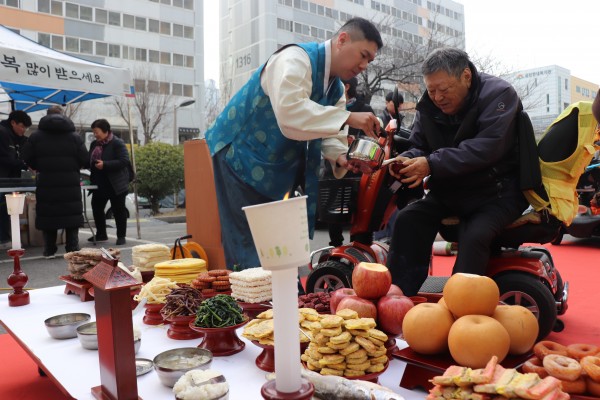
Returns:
<point x="36" y="77"/>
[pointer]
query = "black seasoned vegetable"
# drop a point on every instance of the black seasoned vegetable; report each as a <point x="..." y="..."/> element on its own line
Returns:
<point x="219" y="312"/>
<point x="181" y="301"/>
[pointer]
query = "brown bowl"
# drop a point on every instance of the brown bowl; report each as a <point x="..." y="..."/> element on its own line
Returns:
<point x="221" y="341"/>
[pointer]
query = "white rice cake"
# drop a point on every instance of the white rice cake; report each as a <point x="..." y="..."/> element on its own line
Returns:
<point x="251" y="275"/>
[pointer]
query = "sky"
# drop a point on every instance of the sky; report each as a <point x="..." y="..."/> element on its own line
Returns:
<point x="520" y="34"/>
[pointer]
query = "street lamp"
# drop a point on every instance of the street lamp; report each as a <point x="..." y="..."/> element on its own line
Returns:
<point x="175" y="107"/>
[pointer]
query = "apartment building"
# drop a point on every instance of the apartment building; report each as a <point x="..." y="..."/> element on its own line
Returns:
<point x="160" y="41"/>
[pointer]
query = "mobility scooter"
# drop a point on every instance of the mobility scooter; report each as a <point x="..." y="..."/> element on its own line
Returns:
<point x="526" y="275"/>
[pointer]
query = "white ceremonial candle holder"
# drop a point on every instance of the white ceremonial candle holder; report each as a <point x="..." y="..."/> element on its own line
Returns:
<point x="18" y="279"/>
<point x="280" y="233"/>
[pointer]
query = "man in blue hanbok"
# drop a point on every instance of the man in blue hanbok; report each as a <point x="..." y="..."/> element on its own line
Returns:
<point x="270" y="136"/>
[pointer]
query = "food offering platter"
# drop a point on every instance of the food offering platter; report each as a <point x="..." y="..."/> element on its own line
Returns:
<point x="421" y="368"/>
<point x="266" y="359"/>
<point x="372" y="377"/>
<point x="179" y="327"/>
<point x="221" y="341"/>
<point x="253" y="309"/>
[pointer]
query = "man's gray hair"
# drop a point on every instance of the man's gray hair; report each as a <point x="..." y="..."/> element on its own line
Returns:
<point x="54" y="110"/>
<point x="447" y="59"/>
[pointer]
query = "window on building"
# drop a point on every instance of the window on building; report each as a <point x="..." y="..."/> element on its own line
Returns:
<point x="43" y="6"/>
<point x="141" y="54"/>
<point x="188" y="32"/>
<point x="165" y="58"/>
<point x="547" y="99"/>
<point x="44" y="39"/>
<point x="86" y="46"/>
<point x="188" y="4"/>
<point x="177" y="30"/>
<point x="164" y="88"/>
<point x="188" y="90"/>
<point x="566" y="84"/>
<point x="128" y="21"/>
<point x="101" y="16"/>
<point x="189" y="61"/>
<point x="140" y="23"/>
<point x="178" y="60"/>
<point x="72" y="44"/>
<point x="178" y="3"/>
<point x="165" y="28"/>
<point x="153" y="56"/>
<point x="153" y="26"/>
<point x="152" y="86"/>
<point x="114" y="50"/>
<point x="56" y="7"/>
<point x="177" y="89"/>
<point x="71" y="10"/>
<point x="102" y="49"/>
<point x="58" y="42"/>
<point x="12" y="3"/>
<point x="167" y="2"/>
<point x="86" y="13"/>
<point x="114" y="18"/>
<point x="139" y="85"/>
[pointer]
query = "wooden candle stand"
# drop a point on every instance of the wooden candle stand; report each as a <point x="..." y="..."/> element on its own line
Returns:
<point x="17" y="280"/>
<point x="116" y="353"/>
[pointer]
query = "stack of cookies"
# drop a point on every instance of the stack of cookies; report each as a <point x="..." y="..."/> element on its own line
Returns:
<point x="261" y="328"/>
<point x="146" y="256"/>
<point x="345" y="345"/>
<point x="81" y="261"/>
<point x="251" y="285"/>
<point x="213" y="282"/>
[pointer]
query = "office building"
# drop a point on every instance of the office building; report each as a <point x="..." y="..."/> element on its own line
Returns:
<point x="250" y="30"/>
<point x="159" y="41"/>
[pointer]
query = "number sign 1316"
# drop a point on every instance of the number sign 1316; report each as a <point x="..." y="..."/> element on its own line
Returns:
<point x="243" y="61"/>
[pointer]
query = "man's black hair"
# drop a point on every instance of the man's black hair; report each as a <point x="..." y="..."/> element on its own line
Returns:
<point x="362" y="29"/>
<point x="353" y="82"/>
<point x="20" y="117"/>
<point x="390" y="97"/>
<point x="102" y="124"/>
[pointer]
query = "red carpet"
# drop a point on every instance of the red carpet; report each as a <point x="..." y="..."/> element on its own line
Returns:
<point x="20" y="378"/>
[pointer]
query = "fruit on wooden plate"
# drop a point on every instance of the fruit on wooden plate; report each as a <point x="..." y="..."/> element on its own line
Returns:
<point x="337" y="296"/>
<point x="426" y="326"/>
<point x="474" y="339"/>
<point x="365" y="308"/>
<point x="467" y="294"/>
<point x="391" y="310"/>
<point x="521" y="325"/>
<point x="371" y="280"/>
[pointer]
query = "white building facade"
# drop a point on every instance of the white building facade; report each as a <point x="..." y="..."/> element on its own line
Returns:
<point x="160" y="41"/>
<point x="252" y="30"/>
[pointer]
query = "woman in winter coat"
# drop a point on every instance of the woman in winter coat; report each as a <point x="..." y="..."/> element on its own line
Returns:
<point x="57" y="153"/>
<point x="109" y="166"/>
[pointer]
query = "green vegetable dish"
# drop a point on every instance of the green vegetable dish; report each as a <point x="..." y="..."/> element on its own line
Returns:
<point x="219" y="312"/>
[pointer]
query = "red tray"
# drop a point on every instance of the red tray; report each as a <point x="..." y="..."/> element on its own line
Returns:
<point x="421" y="368"/>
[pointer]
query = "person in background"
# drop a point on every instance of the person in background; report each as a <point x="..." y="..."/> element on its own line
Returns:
<point x="354" y="103"/>
<point x="465" y="138"/>
<point x="269" y="138"/>
<point x="57" y="153"/>
<point x="12" y="140"/>
<point x="389" y="112"/>
<point x="109" y="170"/>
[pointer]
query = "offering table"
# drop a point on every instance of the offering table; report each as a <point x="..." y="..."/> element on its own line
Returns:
<point x="75" y="370"/>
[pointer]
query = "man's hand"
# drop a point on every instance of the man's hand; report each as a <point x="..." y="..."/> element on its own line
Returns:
<point x="342" y="161"/>
<point x="414" y="171"/>
<point x="366" y="122"/>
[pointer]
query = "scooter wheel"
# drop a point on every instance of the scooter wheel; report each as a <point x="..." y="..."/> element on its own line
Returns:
<point x="328" y="277"/>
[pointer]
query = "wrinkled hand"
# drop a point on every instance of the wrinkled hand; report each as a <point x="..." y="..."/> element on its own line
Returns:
<point x="414" y="171"/>
<point x="99" y="164"/>
<point x="366" y="122"/>
<point x="342" y="161"/>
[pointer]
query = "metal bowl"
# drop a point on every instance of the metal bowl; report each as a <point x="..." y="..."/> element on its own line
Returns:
<point x="64" y="326"/>
<point x="88" y="337"/>
<point x="366" y="154"/>
<point x="170" y="365"/>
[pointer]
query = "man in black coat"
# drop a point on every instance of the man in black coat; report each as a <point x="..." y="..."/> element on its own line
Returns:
<point x="57" y="153"/>
<point x="465" y="138"/>
<point x="12" y="139"/>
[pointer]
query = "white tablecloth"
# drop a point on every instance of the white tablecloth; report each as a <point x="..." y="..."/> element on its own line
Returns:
<point x="77" y="369"/>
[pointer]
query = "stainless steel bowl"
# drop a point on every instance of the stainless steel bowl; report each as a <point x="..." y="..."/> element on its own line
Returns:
<point x="170" y="365"/>
<point x="64" y="326"/>
<point x="88" y="337"/>
<point x="366" y="154"/>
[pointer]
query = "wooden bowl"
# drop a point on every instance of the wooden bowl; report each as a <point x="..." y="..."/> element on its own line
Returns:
<point x="221" y="341"/>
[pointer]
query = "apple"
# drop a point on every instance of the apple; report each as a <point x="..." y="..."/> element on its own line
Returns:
<point x="391" y="310"/>
<point x="337" y="295"/>
<point x="395" y="289"/>
<point x="371" y="280"/>
<point x="365" y="308"/>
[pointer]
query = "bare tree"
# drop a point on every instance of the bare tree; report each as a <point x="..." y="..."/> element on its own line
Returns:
<point x="152" y="103"/>
<point x="212" y="106"/>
